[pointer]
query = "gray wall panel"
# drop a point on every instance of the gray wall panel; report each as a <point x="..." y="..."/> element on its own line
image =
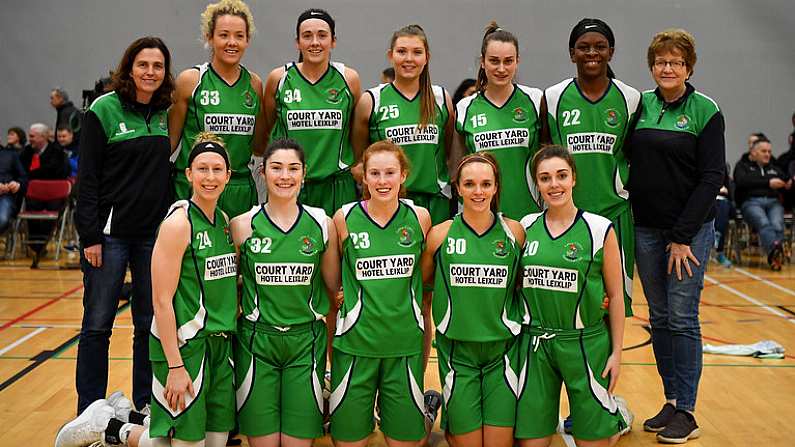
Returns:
<point x="745" y="48"/>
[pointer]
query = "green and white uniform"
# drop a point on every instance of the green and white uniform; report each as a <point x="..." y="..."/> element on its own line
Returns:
<point x="565" y="339"/>
<point x="476" y="325"/>
<point x="396" y="118"/>
<point x="378" y="341"/>
<point x="280" y="354"/>
<point x="510" y="133"/>
<point x="205" y="306"/>
<point x="594" y="133"/>
<point x="318" y="116"/>
<point x="230" y="112"/>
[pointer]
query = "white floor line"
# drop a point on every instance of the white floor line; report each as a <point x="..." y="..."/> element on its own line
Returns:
<point x="749" y="299"/>
<point x="23" y="339"/>
<point x="770" y="283"/>
<point x="567" y="438"/>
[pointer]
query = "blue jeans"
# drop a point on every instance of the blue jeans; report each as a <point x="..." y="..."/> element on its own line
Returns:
<point x="673" y="310"/>
<point x="100" y="301"/>
<point x="766" y="216"/>
<point x="8" y="208"/>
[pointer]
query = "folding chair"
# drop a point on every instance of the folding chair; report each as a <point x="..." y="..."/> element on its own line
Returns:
<point x="44" y="191"/>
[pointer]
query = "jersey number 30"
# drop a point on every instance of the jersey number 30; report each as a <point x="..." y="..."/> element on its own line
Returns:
<point x="457" y="246"/>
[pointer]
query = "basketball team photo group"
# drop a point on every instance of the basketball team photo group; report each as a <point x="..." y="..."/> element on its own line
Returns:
<point x="295" y="256"/>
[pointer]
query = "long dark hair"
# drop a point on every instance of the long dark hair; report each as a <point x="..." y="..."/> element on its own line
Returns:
<point x="122" y="81"/>
<point x="493" y="33"/>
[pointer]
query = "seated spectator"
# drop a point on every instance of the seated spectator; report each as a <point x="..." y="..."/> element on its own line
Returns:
<point x="724" y="210"/>
<point x="42" y="161"/>
<point x="66" y="140"/>
<point x="13" y="180"/>
<point x="16" y="139"/>
<point x="786" y="162"/>
<point x="759" y="182"/>
<point x="464" y="89"/>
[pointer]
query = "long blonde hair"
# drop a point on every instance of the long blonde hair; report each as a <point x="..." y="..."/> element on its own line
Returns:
<point x="427" y="101"/>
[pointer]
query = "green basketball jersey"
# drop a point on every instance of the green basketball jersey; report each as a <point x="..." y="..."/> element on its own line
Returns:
<point x="316" y="115"/>
<point x="205" y="301"/>
<point x="473" y="298"/>
<point x="510" y="133"/>
<point x="228" y="111"/>
<point x="562" y="283"/>
<point x="594" y="132"/>
<point x="396" y="118"/>
<point x="282" y="284"/>
<point x="381" y="315"/>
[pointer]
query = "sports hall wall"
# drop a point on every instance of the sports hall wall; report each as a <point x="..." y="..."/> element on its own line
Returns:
<point x="746" y="48"/>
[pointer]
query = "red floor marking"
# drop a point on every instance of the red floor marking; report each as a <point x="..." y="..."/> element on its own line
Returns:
<point x="16" y="320"/>
<point x="725" y="342"/>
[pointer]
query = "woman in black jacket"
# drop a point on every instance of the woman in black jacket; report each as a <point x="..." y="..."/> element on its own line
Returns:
<point x="124" y="194"/>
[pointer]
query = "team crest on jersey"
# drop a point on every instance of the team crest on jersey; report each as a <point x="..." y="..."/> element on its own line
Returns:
<point x="163" y="123"/>
<point x="611" y="117"/>
<point x="228" y="235"/>
<point x="519" y="115"/>
<point x="573" y="250"/>
<point x="248" y="99"/>
<point x="334" y="96"/>
<point x="500" y="250"/>
<point x="682" y="121"/>
<point x="308" y="246"/>
<point x="405" y="236"/>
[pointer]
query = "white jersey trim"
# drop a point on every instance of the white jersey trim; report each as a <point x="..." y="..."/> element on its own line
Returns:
<point x="598" y="227"/>
<point x="535" y="95"/>
<point x="553" y="94"/>
<point x="461" y="108"/>
<point x="319" y="215"/>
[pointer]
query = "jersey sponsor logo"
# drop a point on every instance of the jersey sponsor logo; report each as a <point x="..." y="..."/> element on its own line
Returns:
<point x="229" y="123"/>
<point x="334" y="96"/>
<point x="384" y="267"/>
<point x="314" y="119"/>
<point x="500" y="250"/>
<point x="308" y="246"/>
<point x="411" y="134"/>
<point x="519" y="115"/>
<point x="590" y="143"/>
<point x="248" y="99"/>
<point x="612" y="118"/>
<point x="501" y="139"/>
<point x="682" y="121"/>
<point x="123" y="130"/>
<point x="283" y="274"/>
<point x="573" y="250"/>
<point x="405" y="236"/>
<point x="478" y="275"/>
<point x="218" y="267"/>
<point x="550" y="278"/>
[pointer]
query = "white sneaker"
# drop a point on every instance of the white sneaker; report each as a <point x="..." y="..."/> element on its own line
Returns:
<point x="623" y="408"/>
<point x="87" y="428"/>
<point x="121" y="405"/>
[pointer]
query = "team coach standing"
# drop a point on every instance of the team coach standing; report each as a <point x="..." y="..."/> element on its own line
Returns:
<point x="124" y="194"/>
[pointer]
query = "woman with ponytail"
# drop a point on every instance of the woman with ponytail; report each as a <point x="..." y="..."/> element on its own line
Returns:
<point x="414" y="114"/>
<point x="592" y="115"/>
<point x="502" y="118"/>
<point x="326" y="92"/>
<point x="471" y="260"/>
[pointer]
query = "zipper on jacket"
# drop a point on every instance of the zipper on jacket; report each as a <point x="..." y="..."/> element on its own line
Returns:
<point x="662" y="112"/>
<point x="147" y="118"/>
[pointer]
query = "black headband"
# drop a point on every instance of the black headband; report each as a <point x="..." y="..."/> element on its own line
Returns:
<point x="591" y="25"/>
<point x="208" y="146"/>
<point x="315" y="13"/>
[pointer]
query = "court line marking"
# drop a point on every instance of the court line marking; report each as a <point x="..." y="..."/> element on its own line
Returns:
<point x="68" y="326"/>
<point x="22" y="339"/>
<point x="766" y="281"/>
<point x="36" y="309"/>
<point x="748" y="298"/>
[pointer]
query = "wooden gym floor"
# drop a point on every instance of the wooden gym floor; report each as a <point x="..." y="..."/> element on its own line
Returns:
<point x="742" y="401"/>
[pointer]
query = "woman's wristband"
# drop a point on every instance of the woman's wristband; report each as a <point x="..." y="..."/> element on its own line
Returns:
<point x="181" y="365"/>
